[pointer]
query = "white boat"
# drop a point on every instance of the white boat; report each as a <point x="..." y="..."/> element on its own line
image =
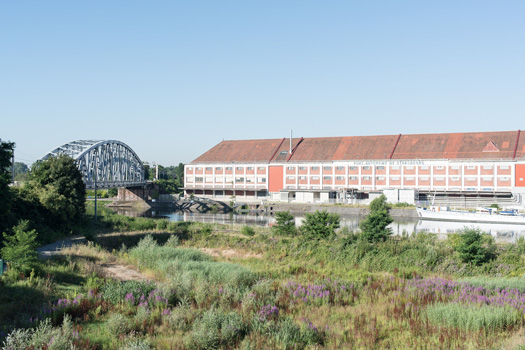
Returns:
<point x="484" y="215"/>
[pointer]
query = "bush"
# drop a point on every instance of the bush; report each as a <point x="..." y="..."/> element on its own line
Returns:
<point x="320" y="224"/>
<point x="117" y="324"/>
<point x="20" y="248"/>
<point x="471" y="247"/>
<point x="247" y="231"/>
<point x="374" y="227"/>
<point x="215" y="329"/>
<point x="285" y="224"/>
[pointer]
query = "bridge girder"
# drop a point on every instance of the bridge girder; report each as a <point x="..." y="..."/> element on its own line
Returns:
<point x="112" y="163"/>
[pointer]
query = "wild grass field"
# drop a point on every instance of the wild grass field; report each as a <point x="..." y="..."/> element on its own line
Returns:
<point x="260" y="289"/>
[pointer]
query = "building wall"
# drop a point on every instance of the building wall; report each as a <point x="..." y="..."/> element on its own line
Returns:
<point x="360" y="175"/>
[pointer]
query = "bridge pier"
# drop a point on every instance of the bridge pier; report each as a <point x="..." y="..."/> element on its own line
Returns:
<point x="139" y="193"/>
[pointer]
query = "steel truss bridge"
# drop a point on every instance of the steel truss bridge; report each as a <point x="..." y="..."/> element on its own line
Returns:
<point x="104" y="163"/>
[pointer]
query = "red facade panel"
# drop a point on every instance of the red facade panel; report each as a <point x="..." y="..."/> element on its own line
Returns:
<point x="520" y="175"/>
<point x="275" y="180"/>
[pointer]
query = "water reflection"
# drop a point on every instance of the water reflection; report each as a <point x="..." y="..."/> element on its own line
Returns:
<point x="502" y="232"/>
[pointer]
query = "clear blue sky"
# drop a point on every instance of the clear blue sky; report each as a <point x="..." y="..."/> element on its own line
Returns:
<point x="173" y="78"/>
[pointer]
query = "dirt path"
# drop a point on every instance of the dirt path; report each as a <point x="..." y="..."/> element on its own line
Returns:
<point x="122" y="273"/>
<point x="113" y="270"/>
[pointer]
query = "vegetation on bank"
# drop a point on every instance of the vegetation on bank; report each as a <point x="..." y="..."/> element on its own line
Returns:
<point x="309" y="289"/>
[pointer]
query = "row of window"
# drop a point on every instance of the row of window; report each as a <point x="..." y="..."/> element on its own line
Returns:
<point x="221" y="179"/>
<point x="395" y="178"/>
<point x="341" y="168"/>
<point x="228" y="168"/>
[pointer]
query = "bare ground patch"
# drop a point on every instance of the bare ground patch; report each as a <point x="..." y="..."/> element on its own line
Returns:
<point x="122" y="273"/>
<point x="229" y="253"/>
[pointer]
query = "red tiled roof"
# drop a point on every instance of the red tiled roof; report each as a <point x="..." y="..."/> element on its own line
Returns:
<point x="481" y="145"/>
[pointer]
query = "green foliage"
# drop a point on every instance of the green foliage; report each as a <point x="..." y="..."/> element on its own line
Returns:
<point x="20" y="248"/>
<point x="474" y="246"/>
<point x="216" y="328"/>
<point x="284" y="224"/>
<point x="473" y="317"/>
<point x="113" y="192"/>
<point x="6" y="197"/>
<point x="57" y="184"/>
<point x="118" y="324"/>
<point x="374" y="227"/>
<point x="320" y="224"/>
<point x="247" y="231"/>
<point x="496" y="282"/>
<point x="170" y="186"/>
<point x="115" y="291"/>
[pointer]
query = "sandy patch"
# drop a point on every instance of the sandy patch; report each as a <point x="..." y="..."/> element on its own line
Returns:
<point x="122" y="273"/>
<point x="229" y="253"/>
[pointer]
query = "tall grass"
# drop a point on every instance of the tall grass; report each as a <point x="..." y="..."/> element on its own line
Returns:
<point x="496" y="282"/>
<point x="472" y="317"/>
<point x="189" y="264"/>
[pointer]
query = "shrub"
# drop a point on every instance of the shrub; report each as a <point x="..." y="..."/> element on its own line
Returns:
<point x="471" y="249"/>
<point x="117" y="324"/>
<point x="215" y="329"/>
<point x="247" y="231"/>
<point x="20" y="248"/>
<point x="374" y="227"/>
<point x="172" y="242"/>
<point x="206" y="229"/>
<point x="320" y="224"/>
<point x="136" y="344"/>
<point x="285" y="224"/>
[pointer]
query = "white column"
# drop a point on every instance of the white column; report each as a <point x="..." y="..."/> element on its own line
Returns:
<point x="495" y="174"/>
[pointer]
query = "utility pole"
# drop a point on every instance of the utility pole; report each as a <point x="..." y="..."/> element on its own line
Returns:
<point x="13" y="167"/>
<point x="96" y="168"/>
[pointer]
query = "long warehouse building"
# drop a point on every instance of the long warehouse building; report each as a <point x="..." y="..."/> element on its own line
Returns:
<point x="324" y="169"/>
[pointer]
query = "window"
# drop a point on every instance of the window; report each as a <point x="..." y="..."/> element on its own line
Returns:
<point x="439" y="167"/>
<point x="229" y="168"/>
<point x="340" y="168"/>
<point x="327" y="178"/>
<point x="471" y="179"/>
<point x="409" y="167"/>
<point x="219" y="179"/>
<point x="424" y="167"/>
<point x="302" y="177"/>
<point x="239" y="179"/>
<point x="504" y="179"/>
<point x="367" y="178"/>
<point x="353" y="168"/>
<point x="291" y="168"/>
<point x="302" y="168"/>
<point x="424" y="178"/>
<point x="394" y="178"/>
<point x="208" y="168"/>
<point x="218" y="168"/>
<point x="327" y="168"/>
<point x="454" y="167"/>
<point x="366" y="167"/>
<point x="471" y="167"/>
<point x="380" y="167"/>
<point x="291" y="177"/>
<point x="339" y="178"/>
<point x="454" y="178"/>
<point x="353" y="178"/>
<point x="261" y="168"/>
<point x="250" y="168"/>
<point x="316" y="178"/>
<point x="487" y="179"/>
<point x="439" y="178"/>
<point x="380" y="178"/>
<point x="394" y="167"/>
<point x="219" y="193"/>
<point x="189" y="168"/>
<point x="487" y="167"/>
<point x="199" y="179"/>
<point x="504" y="167"/>
<point x="189" y="179"/>
<point x="409" y="178"/>
<point x="240" y="168"/>
<point x="249" y="179"/>
<point x="262" y="179"/>
<point x="315" y="168"/>
<point x="209" y="178"/>
<point x="199" y="168"/>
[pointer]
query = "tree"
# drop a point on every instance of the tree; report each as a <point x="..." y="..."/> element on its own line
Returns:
<point x="471" y="247"/>
<point x="20" y="248"/>
<point x="58" y="185"/>
<point x="374" y="227"/>
<point x="320" y="224"/>
<point x="168" y="186"/>
<point x="21" y="171"/>
<point x="285" y="224"/>
<point x="6" y="196"/>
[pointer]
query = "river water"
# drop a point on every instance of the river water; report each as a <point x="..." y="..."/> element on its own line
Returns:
<point x="501" y="232"/>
